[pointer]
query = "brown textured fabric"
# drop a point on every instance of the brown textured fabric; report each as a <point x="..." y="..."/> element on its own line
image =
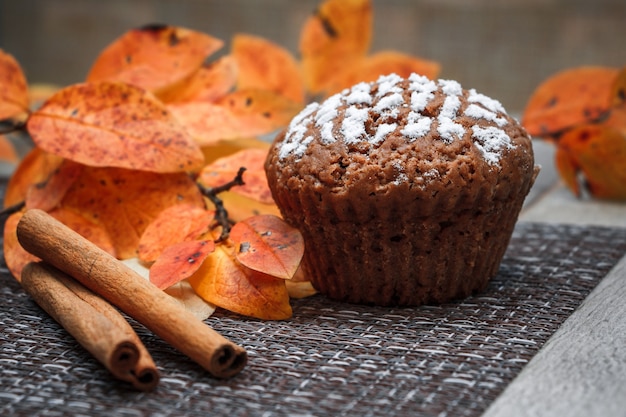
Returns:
<point x="331" y="358"/>
<point x="401" y="221"/>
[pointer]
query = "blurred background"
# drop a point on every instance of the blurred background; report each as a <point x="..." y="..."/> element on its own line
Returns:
<point x="503" y="48"/>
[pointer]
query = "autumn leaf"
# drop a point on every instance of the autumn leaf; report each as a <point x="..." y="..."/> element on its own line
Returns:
<point x="179" y="261"/>
<point x="241" y="207"/>
<point x="569" y="98"/>
<point x="113" y="124"/>
<point x="223" y="281"/>
<point x="35" y="168"/>
<point x="15" y="256"/>
<point x="228" y="147"/>
<point x="7" y="151"/>
<point x="386" y="62"/>
<point x="240" y="114"/>
<point x="178" y="223"/>
<point x="14" y="91"/>
<point x="269" y="245"/>
<point x="153" y="57"/>
<point x="598" y="153"/>
<point x="225" y="169"/>
<point x="338" y="34"/>
<point x="264" y="65"/>
<point x="48" y="194"/>
<point x="90" y="229"/>
<point x="125" y="202"/>
<point x="207" y="84"/>
<point x="618" y="89"/>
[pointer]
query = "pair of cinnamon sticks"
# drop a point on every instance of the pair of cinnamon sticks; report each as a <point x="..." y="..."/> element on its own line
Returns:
<point x="73" y="283"/>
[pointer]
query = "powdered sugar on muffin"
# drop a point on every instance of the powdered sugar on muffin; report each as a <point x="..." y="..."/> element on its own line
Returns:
<point x="392" y="105"/>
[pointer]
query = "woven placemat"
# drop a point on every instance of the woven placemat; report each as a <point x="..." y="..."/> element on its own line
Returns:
<point x="330" y="358"/>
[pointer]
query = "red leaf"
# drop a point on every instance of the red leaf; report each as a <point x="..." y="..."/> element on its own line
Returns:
<point x="269" y="245"/>
<point x="179" y="261"/>
<point x="116" y="125"/>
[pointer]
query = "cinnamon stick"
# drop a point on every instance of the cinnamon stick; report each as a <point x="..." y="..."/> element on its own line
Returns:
<point x="58" y="245"/>
<point x="93" y="322"/>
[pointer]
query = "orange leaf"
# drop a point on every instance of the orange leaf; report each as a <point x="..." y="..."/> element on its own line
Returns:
<point x="90" y="229"/>
<point x="224" y="148"/>
<point x="175" y="224"/>
<point x="225" y="169"/>
<point x="618" y="90"/>
<point x="264" y="65"/>
<point x="243" y="113"/>
<point x="153" y="57"/>
<point x="34" y="168"/>
<point x="48" y="194"/>
<point x="223" y="281"/>
<point x="179" y="261"/>
<point x="599" y="153"/>
<point x="14" y="255"/>
<point x="7" y="150"/>
<point x="259" y="111"/>
<point x="269" y="245"/>
<point x="383" y="63"/>
<point x="338" y="34"/>
<point x="569" y="98"/>
<point x="113" y="124"/>
<point x="241" y="207"/>
<point x="125" y="202"/>
<point x="207" y="123"/>
<point x="14" y="91"/>
<point x="210" y="82"/>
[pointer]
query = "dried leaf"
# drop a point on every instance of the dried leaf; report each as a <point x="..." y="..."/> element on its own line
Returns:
<point x="385" y="62"/>
<point x="7" y="150"/>
<point x="337" y="35"/>
<point x="599" y="154"/>
<point x="224" y="148"/>
<point x="48" y="194"/>
<point x="618" y="89"/>
<point x="259" y="111"/>
<point x="300" y="289"/>
<point x="178" y="223"/>
<point x="225" y="169"/>
<point x="179" y="261"/>
<point x="90" y="229"/>
<point x="113" y="124"/>
<point x="269" y="245"/>
<point x="569" y="98"/>
<point x="125" y="202"/>
<point x="14" y="91"/>
<point x="226" y="283"/>
<point x="240" y="114"/>
<point x="184" y="294"/>
<point x="207" y="123"/>
<point x="266" y="66"/>
<point x="181" y="292"/>
<point x="36" y="167"/>
<point x="241" y="207"/>
<point x="153" y="57"/>
<point x="15" y="256"/>
<point x="210" y="82"/>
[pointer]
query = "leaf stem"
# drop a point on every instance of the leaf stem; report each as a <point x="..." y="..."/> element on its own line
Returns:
<point x="221" y="214"/>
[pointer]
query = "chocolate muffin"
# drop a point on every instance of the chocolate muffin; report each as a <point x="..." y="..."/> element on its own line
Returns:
<point x="406" y="190"/>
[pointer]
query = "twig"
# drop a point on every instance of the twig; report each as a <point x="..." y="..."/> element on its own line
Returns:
<point x="221" y="214"/>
